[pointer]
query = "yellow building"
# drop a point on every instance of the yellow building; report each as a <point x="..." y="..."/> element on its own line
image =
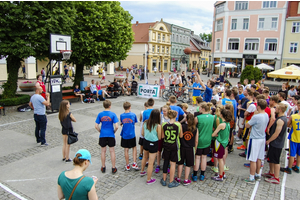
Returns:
<point x="291" y="53"/>
<point x="159" y="47"/>
<point x="152" y="45"/>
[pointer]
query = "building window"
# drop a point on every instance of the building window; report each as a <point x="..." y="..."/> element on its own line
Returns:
<point x="218" y="42"/>
<point x="163" y="37"/>
<point x="251" y="44"/>
<point x="173" y="38"/>
<point x="233" y="24"/>
<point x="158" y="37"/>
<point x="271" y="45"/>
<point x="220" y="8"/>
<point x="165" y="65"/>
<point x="176" y="51"/>
<point x="269" y="4"/>
<point x="245" y="24"/>
<point x="176" y="38"/>
<point x="167" y="49"/>
<point x="274" y="23"/>
<point x="158" y="49"/>
<point x="153" y="64"/>
<point x="296" y="27"/>
<point x="233" y="44"/>
<point x="220" y="25"/>
<point x="153" y="48"/>
<point x="261" y="23"/>
<point x="293" y="47"/>
<point x="180" y="39"/>
<point x="241" y="5"/>
<point x="163" y="49"/>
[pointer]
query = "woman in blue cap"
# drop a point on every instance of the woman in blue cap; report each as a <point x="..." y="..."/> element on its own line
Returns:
<point x="73" y="184"/>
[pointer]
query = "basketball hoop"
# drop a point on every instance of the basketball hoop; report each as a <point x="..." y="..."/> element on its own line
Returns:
<point x="66" y="54"/>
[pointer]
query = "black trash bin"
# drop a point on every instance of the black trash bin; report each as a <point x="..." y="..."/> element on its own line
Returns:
<point x="55" y="91"/>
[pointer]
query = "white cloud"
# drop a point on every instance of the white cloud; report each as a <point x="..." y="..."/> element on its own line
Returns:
<point x="195" y="15"/>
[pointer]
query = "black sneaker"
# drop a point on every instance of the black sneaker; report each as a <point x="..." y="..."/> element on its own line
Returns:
<point x="64" y="159"/>
<point x="114" y="170"/>
<point x="69" y="160"/>
<point x="210" y="163"/>
<point x="286" y="170"/>
<point x="295" y="169"/>
<point x="287" y="149"/>
<point x="44" y="145"/>
<point x="103" y="169"/>
<point x="230" y="150"/>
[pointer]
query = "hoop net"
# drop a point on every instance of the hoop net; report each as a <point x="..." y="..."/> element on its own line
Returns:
<point x="66" y="54"/>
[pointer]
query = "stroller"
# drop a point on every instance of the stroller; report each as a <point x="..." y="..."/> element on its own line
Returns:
<point x="134" y="86"/>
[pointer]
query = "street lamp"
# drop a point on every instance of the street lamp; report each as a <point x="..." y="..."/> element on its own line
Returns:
<point x="209" y="65"/>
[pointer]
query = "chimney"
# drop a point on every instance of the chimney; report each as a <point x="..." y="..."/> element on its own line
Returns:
<point x="192" y="32"/>
<point x="136" y="23"/>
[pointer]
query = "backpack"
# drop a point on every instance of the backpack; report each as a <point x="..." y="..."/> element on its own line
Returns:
<point x="89" y="100"/>
<point x="24" y="108"/>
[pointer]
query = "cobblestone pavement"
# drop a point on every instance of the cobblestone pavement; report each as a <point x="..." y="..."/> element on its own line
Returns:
<point x="22" y="160"/>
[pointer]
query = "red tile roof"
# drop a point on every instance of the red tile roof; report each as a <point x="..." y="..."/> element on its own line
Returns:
<point x="141" y="32"/>
<point x="193" y="47"/>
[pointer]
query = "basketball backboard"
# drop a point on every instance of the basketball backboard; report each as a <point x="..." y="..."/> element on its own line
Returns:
<point x="59" y="42"/>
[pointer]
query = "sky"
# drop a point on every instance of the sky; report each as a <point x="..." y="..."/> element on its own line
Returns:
<point x="195" y="15"/>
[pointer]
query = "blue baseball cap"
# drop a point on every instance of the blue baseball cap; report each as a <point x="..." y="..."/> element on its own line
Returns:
<point x="85" y="154"/>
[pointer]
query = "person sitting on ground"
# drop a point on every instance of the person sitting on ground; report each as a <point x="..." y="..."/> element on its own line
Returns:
<point x="77" y="92"/>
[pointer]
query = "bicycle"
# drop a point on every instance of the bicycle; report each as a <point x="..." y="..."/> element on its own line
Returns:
<point x="181" y="94"/>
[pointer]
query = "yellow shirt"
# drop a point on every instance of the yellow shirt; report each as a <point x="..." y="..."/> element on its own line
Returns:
<point x="296" y="128"/>
<point x="257" y="86"/>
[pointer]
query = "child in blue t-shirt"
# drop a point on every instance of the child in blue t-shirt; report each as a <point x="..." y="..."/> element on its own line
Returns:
<point x="77" y="92"/>
<point x="146" y="113"/>
<point x="128" y="119"/>
<point x="109" y="125"/>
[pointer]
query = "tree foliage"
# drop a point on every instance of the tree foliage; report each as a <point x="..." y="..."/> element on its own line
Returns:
<point x="206" y="36"/>
<point x="25" y="27"/>
<point x="102" y="33"/>
<point x="250" y="73"/>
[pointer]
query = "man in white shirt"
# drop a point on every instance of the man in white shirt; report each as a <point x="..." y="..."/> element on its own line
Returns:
<point x="221" y="87"/>
<point x="281" y="97"/>
<point x="155" y="69"/>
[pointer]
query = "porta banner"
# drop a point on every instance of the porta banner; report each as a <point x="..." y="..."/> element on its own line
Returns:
<point x="148" y="91"/>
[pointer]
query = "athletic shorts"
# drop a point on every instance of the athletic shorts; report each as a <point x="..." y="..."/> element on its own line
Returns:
<point x="128" y="143"/>
<point x="274" y="155"/>
<point x="294" y="149"/>
<point x="240" y="123"/>
<point x="107" y="141"/>
<point x="187" y="156"/>
<point x="162" y="87"/>
<point x="152" y="147"/>
<point x="202" y="152"/>
<point x="172" y="156"/>
<point x="256" y="149"/>
<point x="219" y="150"/>
<point x="103" y="78"/>
<point x="194" y="99"/>
<point x="141" y="141"/>
<point x="160" y="145"/>
<point x="290" y="134"/>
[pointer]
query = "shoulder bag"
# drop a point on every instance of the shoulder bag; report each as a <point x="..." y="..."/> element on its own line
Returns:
<point x="70" y="197"/>
<point x="72" y="136"/>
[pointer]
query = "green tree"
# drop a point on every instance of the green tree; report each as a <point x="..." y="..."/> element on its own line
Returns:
<point x="102" y="33"/>
<point x="206" y="36"/>
<point x="250" y="73"/>
<point x="25" y="27"/>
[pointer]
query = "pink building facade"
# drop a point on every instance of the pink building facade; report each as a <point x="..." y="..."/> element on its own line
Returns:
<point x="248" y="33"/>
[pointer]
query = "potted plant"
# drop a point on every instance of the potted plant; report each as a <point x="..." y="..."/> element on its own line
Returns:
<point x="204" y="72"/>
<point x="27" y="86"/>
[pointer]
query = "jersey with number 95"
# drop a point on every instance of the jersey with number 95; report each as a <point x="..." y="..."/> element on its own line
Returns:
<point x="171" y="136"/>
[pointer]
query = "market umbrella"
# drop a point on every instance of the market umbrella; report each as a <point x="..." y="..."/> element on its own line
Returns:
<point x="264" y="66"/>
<point x="227" y="65"/>
<point x="286" y="73"/>
<point x="292" y="65"/>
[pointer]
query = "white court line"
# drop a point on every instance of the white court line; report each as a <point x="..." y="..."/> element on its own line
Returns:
<point x="282" y="193"/>
<point x="12" y="192"/>
<point x="255" y="187"/>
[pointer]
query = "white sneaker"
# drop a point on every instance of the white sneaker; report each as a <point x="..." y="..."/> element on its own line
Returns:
<point x="239" y="142"/>
<point x="82" y="102"/>
<point x="237" y="138"/>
